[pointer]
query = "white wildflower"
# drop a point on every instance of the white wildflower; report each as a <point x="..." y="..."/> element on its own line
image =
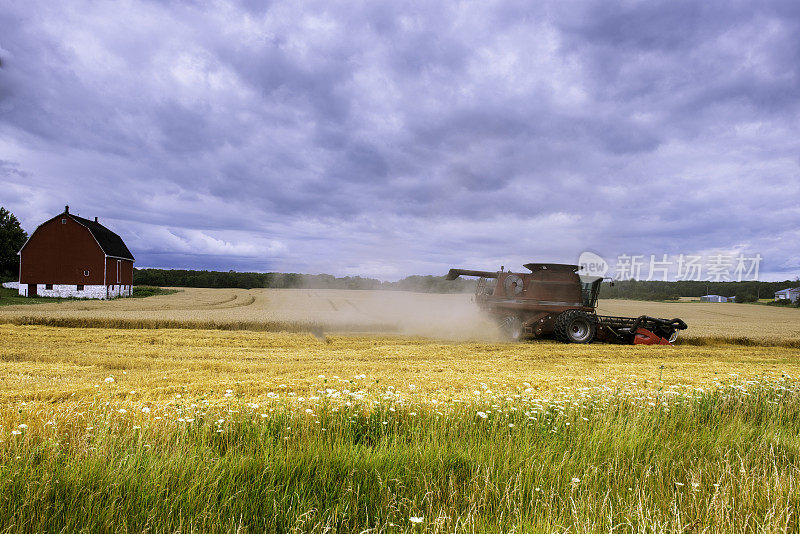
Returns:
<point x="109" y="380"/>
<point x="415" y="519"/>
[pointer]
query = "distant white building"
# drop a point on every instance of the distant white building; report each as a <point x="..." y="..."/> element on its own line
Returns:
<point x="714" y="298"/>
<point x="790" y="293"/>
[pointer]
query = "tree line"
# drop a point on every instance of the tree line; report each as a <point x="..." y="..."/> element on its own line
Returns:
<point x="12" y="237"/>
<point x="749" y="291"/>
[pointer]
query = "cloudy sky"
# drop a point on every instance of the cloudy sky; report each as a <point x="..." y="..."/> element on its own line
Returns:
<point x="399" y="138"/>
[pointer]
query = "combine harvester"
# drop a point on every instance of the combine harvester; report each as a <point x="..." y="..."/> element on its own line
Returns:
<point x="553" y="299"/>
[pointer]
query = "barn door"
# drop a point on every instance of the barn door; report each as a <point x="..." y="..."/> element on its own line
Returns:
<point x="119" y="271"/>
<point x="32" y="290"/>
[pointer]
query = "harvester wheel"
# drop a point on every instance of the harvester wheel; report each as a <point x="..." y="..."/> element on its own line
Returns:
<point x="576" y="326"/>
<point x="511" y="326"/>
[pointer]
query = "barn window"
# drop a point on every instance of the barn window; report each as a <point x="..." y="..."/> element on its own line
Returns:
<point x="85" y="273"/>
<point x="63" y="221"/>
<point x="79" y="287"/>
<point x="48" y="286"/>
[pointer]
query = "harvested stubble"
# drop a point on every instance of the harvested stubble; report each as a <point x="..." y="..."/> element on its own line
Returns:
<point x="442" y="316"/>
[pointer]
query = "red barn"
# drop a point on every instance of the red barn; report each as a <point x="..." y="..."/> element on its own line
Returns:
<point x="69" y="256"/>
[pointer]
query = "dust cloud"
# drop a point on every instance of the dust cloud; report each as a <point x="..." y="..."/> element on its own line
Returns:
<point x="454" y="317"/>
<point x="443" y="316"/>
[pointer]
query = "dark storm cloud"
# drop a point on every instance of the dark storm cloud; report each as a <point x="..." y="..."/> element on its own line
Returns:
<point x="400" y="138"/>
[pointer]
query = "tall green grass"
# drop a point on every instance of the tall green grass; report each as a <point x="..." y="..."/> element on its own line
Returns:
<point x="726" y="461"/>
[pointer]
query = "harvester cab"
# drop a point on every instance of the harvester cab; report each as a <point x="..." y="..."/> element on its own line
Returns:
<point x="553" y="300"/>
<point x="590" y="289"/>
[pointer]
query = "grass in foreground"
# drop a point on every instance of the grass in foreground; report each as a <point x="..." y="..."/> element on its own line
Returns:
<point x="346" y="460"/>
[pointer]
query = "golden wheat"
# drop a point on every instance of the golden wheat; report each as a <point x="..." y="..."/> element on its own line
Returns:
<point x="54" y="364"/>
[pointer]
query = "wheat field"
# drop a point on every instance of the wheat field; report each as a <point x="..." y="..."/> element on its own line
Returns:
<point x="426" y="424"/>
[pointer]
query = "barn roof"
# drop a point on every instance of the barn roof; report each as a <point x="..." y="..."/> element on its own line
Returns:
<point x="111" y="243"/>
